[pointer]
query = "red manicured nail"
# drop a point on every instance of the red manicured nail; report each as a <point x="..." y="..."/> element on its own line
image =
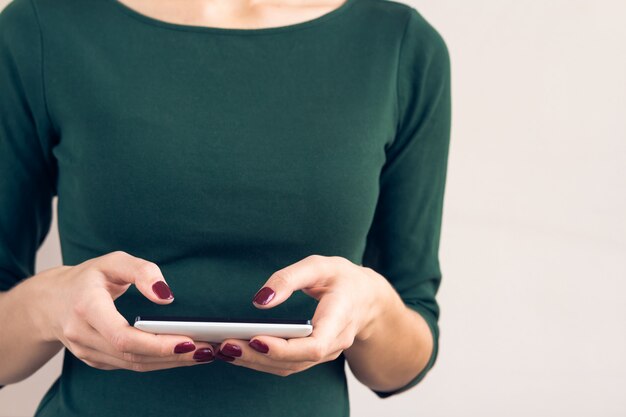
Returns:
<point x="258" y="346"/>
<point x="231" y="350"/>
<point x="184" y="347"/>
<point x="219" y="355"/>
<point x="162" y="290"/>
<point x="264" y="295"/>
<point x="203" y="355"/>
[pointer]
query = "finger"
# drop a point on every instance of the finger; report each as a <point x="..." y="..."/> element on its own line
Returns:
<point x="96" y="358"/>
<point x="284" y="370"/>
<point x="90" y="338"/>
<point x="104" y="317"/>
<point x="332" y="315"/>
<point x="331" y="332"/>
<point x="247" y="357"/>
<point x="314" y="271"/>
<point x="122" y="268"/>
<point x="246" y="353"/>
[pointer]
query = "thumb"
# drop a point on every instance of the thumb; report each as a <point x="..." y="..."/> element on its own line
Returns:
<point x="306" y="274"/>
<point x="122" y="268"/>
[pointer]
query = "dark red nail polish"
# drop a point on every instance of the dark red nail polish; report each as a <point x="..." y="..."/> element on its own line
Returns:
<point x="162" y="290"/>
<point x="203" y="355"/>
<point x="258" y="346"/>
<point x="264" y="295"/>
<point x="184" y="347"/>
<point x="231" y="350"/>
<point x="219" y="355"/>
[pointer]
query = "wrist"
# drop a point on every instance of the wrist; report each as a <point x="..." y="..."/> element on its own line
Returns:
<point x="384" y="305"/>
<point x="37" y="297"/>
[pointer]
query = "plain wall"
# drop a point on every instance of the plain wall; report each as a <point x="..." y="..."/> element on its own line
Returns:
<point x="534" y="232"/>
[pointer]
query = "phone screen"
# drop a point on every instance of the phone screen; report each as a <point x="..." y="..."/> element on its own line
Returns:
<point x="221" y="319"/>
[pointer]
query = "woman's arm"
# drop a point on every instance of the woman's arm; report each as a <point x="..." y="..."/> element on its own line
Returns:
<point x="27" y="179"/>
<point x="74" y="306"/>
<point x="23" y="349"/>
<point x="395" y="345"/>
<point x="387" y="344"/>
<point x="403" y="241"/>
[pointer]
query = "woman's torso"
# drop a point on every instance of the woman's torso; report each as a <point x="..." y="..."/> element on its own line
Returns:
<point x="222" y="156"/>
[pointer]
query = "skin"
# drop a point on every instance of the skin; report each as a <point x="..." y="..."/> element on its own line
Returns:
<point x="359" y="313"/>
<point x="79" y="313"/>
<point x="241" y="14"/>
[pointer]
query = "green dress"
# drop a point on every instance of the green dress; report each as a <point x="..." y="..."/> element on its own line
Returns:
<point x="222" y="155"/>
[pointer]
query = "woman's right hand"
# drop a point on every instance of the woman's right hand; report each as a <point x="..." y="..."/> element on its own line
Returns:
<point x="77" y="309"/>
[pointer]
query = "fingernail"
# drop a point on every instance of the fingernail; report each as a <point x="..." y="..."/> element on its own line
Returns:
<point x="264" y="295"/>
<point x="184" y="347"/>
<point x="203" y="355"/>
<point x="162" y="290"/>
<point x="231" y="350"/>
<point x="258" y="346"/>
<point x="219" y="355"/>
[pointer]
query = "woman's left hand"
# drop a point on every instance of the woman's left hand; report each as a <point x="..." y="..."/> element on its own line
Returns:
<point x="350" y="298"/>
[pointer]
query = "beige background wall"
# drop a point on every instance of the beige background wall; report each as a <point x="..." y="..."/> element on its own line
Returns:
<point x="534" y="235"/>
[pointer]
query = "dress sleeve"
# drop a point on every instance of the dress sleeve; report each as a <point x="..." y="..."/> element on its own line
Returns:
<point x="27" y="169"/>
<point x="403" y="241"/>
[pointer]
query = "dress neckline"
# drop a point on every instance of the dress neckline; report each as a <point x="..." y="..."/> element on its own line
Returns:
<point x="232" y="31"/>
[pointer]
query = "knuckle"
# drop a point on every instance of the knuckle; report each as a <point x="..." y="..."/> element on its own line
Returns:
<point x="368" y="270"/>
<point x="306" y="366"/>
<point x="80" y="353"/>
<point x="337" y="258"/>
<point x="119" y="254"/>
<point x="165" y="351"/>
<point x="341" y="262"/>
<point x="317" y="352"/>
<point x="97" y="365"/>
<point x="316" y="257"/>
<point x="86" y="264"/>
<point x="70" y="333"/>
<point x="281" y="278"/>
<point x="149" y="269"/>
<point x="320" y="260"/>
<point x="114" y="256"/>
<point x="297" y="367"/>
<point x="335" y="355"/>
<point x="284" y="372"/>
<point x="92" y="267"/>
<point x="346" y="344"/>
<point x="80" y="309"/>
<point x="137" y="367"/>
<point x="131" y="357"/>
<point x="120" y="342"/>
<point x="181" y="358"/>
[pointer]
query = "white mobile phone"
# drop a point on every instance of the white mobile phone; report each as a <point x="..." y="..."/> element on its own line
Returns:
<point x="217" y="329"/>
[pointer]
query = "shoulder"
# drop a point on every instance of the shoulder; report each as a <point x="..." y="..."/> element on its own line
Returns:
<point x="387" y="6"/>
<point x="24" y="15"/>
<point x="389" y="15"/>
<point x="413" y="27"/>
<point x="421" y="34"/>
<point x="17" y="16"/>
<point x="19" y="31"/>
<point x="424" y="67"/>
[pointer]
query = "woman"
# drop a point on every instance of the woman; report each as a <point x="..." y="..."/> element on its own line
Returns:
<point x="259" y="160"/>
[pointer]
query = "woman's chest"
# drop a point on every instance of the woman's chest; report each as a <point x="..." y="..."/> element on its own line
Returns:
<point x="203" y="147"/>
